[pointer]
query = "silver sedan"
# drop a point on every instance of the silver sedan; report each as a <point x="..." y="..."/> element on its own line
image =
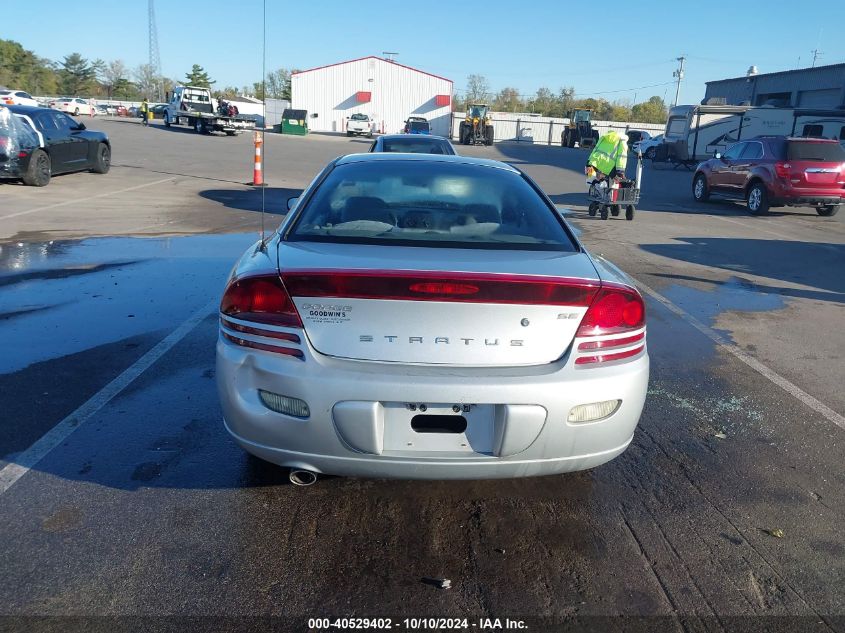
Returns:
<point x="429" y="317"/>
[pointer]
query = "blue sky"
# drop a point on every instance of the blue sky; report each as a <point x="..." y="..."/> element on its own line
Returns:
<point x="524" y="45"/>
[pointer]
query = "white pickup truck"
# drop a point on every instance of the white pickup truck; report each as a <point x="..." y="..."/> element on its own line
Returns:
<point x="359" y="125"/>
<point x="195" y="108"/>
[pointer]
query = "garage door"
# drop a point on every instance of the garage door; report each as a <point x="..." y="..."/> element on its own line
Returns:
<point x="819" y="98"/>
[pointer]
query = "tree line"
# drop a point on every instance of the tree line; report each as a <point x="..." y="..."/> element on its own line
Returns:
<point x="547" y="103"/>
<point x="76" y="76"/>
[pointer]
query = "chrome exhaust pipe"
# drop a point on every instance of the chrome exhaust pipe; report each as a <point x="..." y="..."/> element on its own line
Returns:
<point x="299" y="477"/>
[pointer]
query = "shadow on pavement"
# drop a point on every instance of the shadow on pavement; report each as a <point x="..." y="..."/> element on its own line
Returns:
<point x="275" y="199"/>
<point x="808" y="263"/>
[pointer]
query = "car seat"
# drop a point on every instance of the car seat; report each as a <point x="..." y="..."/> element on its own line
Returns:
<point x="367" y="208"/>
<point x="482" y="213"/>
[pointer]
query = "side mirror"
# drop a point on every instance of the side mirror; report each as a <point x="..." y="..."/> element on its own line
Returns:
<point x="79" y="127"/>
<point x="292" y="202"/>
<point x="717" y="155"/>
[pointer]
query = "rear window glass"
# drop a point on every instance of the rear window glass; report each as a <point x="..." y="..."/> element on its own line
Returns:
<point x="430" y="204"/>
<point x="359" y="117"/>
<point x="415" y="146"/>
<point x="752" y="150"/>
<point x="813" y="130"/>
<point x="824" y="152"/>
<point x="676" y="126"/>
<point x="418" y="126"/>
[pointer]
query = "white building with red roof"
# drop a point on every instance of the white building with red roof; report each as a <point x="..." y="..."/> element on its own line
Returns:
<point x="386" y="91"/>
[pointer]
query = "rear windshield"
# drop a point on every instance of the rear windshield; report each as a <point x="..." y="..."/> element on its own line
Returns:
<point x="418" y="126"/>
<point x="416" y="146"/>
<point x="824" y="152"/>
<point x="676" y="127"/>
<point x="416" y="203"/>
<point x="359" y="117"/>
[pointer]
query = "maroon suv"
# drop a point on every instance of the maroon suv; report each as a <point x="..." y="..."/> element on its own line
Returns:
<point x="776" y="171"/>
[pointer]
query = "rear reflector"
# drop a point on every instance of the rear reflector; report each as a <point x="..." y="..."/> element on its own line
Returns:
<point x="593" y="411"/>
<point x="442" y="286"/>
<point x="284" y="404"/>
<point x="276" y="349"/>
<point x="614" y="343"/>
<point x="783" y="170"/>
<point x="606" y="358"/>
<point x="255" y="331"/>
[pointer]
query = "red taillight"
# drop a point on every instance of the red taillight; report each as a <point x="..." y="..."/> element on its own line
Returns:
<point x="615" y="309"/>
<point x="440" y="286"/>
<point x="263" y="299"/>
<point x="783" y="170"/>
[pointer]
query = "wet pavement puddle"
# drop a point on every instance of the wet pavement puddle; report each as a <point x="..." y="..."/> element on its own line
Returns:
<point x="65" y="296"/>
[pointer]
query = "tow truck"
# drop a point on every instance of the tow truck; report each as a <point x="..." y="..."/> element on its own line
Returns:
<point x="193" y="106"/>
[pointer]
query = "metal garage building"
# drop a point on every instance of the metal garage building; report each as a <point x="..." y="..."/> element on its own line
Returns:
<point x="387" y="91"/>
<point x="821" y="87"/>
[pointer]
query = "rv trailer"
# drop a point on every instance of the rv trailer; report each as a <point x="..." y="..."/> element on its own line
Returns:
<point x="695" y="132"/>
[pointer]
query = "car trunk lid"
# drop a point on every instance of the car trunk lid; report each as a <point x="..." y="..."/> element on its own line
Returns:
<point x="395" y="304"/>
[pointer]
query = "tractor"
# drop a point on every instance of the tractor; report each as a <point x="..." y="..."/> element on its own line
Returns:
<point x="476" y="129"/>
<point x="579" y="130"/>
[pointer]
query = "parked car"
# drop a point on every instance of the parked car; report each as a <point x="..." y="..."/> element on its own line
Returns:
<point x="17" y="97"/>
<point x="775" y="171"/>
<point x="429" y="317"/>
<point x="635" y="136"/>
<point x="417" y="125"/>
<point x="648" y="147"/>
<point x="121" y="110"/>
<point x="64" y="145"/>
<point x="134" y="112"/>
<point x="413" y="144"/>
<point x="18" y="142"/>
<point x="157" y="111"/>
<point x="359" y="125"/>
<point x="102" y="109"/>
<point x="74" y="106"/>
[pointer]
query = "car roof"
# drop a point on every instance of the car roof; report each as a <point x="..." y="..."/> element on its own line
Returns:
<point x="431" y="158"/>
<point x="25" y="109"/>
<point x="414" y="138"/>
<point x="780" y="138"/>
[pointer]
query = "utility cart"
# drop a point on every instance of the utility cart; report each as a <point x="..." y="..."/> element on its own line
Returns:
<point x="608" y="196"/>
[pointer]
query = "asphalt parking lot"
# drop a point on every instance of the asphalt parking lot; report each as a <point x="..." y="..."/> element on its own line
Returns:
<point x="122" y="495"/>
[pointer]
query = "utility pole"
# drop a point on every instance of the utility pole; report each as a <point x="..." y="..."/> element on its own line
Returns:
<point x="816" y="54"/>
<point x="680" y="75"/>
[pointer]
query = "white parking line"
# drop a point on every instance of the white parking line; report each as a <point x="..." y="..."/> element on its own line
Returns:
<point x="59" y="433"/>
<point x="752" y="362"/>
<point x="77" y="200"/>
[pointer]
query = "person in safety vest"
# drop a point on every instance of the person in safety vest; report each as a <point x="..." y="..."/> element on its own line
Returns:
<point x="145" y="111"/>
<point x="609" y="157"/>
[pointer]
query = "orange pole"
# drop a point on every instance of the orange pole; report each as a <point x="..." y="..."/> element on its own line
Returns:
<point x="257" y="170"/>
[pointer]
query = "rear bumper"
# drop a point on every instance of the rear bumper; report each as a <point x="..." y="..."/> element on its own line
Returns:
<point x="511" y="444"/>
<point x="807" y="201"/>
<point x="786" y="195"/>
